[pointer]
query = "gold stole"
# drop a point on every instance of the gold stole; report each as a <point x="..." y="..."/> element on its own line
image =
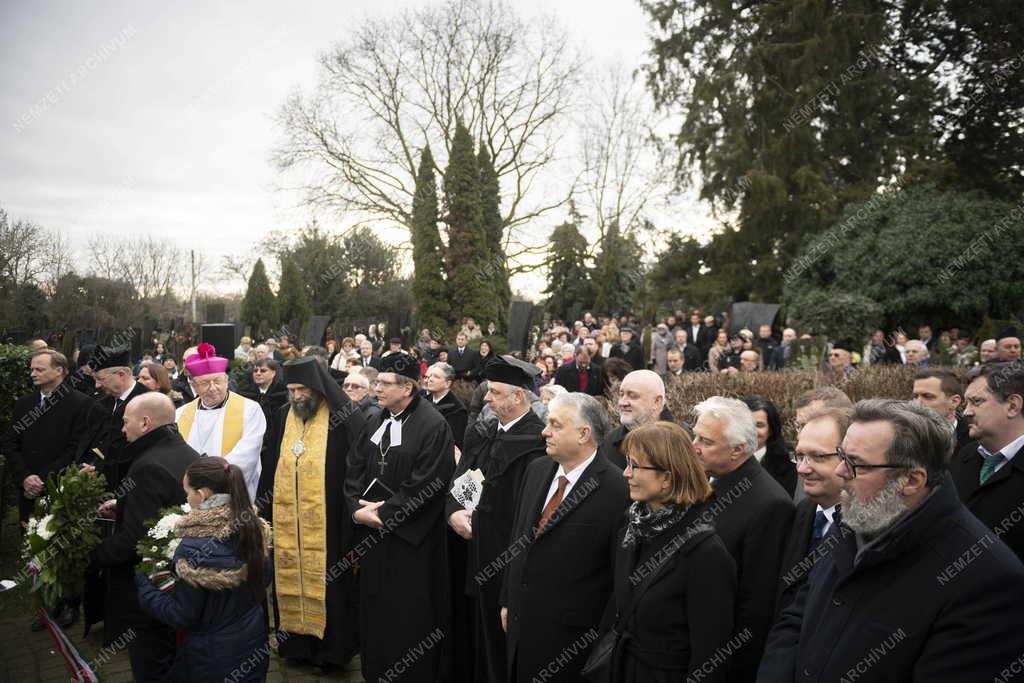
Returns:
<point x="300" y="525"/>
<point x="234" y="419"/>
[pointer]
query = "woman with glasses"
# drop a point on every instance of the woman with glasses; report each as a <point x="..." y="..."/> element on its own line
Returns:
<point x="675" y="582"/>
<point x="772" y="450"/>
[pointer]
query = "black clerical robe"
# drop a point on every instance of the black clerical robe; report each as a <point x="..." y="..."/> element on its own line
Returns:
<point x="404" y="597"/>
<point x="502" y="457"/>
<point x="108" y="418"/>
<point x="341" y="636"/>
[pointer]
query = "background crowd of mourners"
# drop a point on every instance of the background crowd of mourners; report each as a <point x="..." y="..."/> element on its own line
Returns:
<point x="616" y="538"/>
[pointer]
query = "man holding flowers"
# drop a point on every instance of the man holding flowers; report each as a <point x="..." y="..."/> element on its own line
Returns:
<point x="159" y="457"/>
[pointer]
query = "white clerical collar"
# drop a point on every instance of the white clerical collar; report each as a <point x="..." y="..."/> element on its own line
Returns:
<point x="759" y="453"/>
<point x="395" y="431"/>
<point x="124" y="396"/>
<point x="264" y="390"/>
<point x="511" y="423"/>
<point x="438" y="399"/>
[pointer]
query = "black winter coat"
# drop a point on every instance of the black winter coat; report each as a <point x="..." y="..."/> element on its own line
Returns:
<point x="999" y="502"/>
<point x="558" y="583"/>
<point x="44" y="439"/>
<point x="937" y="599"/>
<point x="686" y="581"/>
<point x="454" y="412"/>
<point x="752" y="515"/>
<point x="224" y="629"/>
<point x="153" y="482"/>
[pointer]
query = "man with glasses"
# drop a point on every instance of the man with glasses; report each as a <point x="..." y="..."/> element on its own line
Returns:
<point x="752" y="514"/>
<point x="220" y="422"/>
<point x="920" y="590"/>
<point x="113" y="377"/>
<point x="396" y="483"/>
<point x="815" y="457"/>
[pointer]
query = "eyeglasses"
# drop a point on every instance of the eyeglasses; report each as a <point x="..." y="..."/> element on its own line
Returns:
<point x="632" y="465"/>
<point x="209" y="383"/>
<point x="816" y="458"/>
<point x="853" y="467"/>
<point x="350" y="385"/>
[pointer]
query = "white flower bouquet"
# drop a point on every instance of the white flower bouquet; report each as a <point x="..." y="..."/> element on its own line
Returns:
<point x="158" y="545"/>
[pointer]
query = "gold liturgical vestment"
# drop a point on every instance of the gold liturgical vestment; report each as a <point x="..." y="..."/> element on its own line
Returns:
<point x="300" y="525"/>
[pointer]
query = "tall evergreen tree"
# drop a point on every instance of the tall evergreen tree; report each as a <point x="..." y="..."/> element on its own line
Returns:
<point x="292" y="297"/>
<point x="259" y="309"/>
<point x="470" y="286"/>
<point x="569" y="289"/>
<point x="494" y="230"/>
<point x="428" y="285"/>
<point x="618" y="271"/>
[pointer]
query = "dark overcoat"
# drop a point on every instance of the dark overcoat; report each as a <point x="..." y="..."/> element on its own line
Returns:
<point x="558" y="583"/>
<point x="686" y="582"/>
<point x="999" y="502"/>
<point x="752" y="515"/>
<point x="937" y="598"/>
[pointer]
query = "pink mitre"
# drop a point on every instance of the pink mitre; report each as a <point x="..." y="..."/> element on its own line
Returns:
<point x="205" y="362"/>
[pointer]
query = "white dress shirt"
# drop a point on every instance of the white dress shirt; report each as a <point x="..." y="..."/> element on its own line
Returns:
<point x="506" y="427"/>
<point x="829" y="512"/>
<point x="573" y="477"/>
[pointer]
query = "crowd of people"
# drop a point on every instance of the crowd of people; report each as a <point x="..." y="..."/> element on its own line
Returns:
<point x="519" y="536"/>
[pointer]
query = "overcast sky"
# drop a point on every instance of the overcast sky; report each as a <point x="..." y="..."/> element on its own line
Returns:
<point x="159" y="118"/>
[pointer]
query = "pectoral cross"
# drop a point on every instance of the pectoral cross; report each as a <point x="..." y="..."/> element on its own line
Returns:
<point x="381" y="463"/>
<point x="298" y="448"/>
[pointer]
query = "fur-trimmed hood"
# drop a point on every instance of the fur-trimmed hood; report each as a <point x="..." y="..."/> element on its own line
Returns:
<point x="207" y="556"/>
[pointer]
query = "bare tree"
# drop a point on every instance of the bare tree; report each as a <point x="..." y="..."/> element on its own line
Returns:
<point x="32" y="254"/>
<point x="622" y="176"/>
<point x="401" y="82"/>
<point x="152" y="267"/>
<point x="236" y="267"/>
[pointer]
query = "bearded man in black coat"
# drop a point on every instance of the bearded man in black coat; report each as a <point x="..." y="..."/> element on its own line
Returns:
<point x="915" y="588"/>
<point x="159" y="458"/>
<point x="501" y="449"/>
<point x="302" y="491"/>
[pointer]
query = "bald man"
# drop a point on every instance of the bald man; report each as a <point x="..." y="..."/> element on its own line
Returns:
<point x="159" y="457"/>
<point x="641" y="401"/>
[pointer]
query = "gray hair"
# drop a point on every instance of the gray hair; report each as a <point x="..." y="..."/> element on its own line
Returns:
<point x="552" y="390"/>
<point x="740" y="429"/>
<point x="589" y="412"/>
<point x="922" y="437"/>
<point x="358" y="378"/>
<point x="447" y="370"/>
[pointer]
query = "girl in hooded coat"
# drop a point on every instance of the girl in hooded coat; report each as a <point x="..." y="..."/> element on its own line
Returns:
<point x="220" y="571"/>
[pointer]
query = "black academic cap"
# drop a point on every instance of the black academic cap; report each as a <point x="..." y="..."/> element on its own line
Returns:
<point x="401" y="363"/>
<point x="106" y="357"/>
<point x="500" y="370"/>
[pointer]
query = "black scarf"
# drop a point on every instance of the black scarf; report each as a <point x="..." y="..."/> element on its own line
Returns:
<point x="645" y="523"/>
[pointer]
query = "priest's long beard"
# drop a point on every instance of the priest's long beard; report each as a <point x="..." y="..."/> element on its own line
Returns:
<point x="305" y="408"/>
<point x="872" y="517"/>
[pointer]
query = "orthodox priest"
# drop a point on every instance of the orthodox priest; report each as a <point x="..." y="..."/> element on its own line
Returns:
<point x="398" y="476"/>
<point x="316" y="590"/>
<point x="501" y="449"/>
<point x="221" y="423"/>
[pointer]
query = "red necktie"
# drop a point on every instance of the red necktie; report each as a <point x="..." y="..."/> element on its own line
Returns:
<point x="553" y="504"/>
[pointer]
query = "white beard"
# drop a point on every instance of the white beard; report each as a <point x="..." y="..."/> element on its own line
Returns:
<point x="871" y="518"/>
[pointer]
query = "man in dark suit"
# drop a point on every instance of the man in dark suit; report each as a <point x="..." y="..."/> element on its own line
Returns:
<point x="158" y="456"/>
<point x="699" y="334"/>
<point x="691" y="355"/>
<point x="47" y="429"/>
<point x="641" y="401"/>
<point x="463" y="359"/>
<point x="563" y="546"/>
<point x="989" y="475"/>
<point x="940" y="389"/>
<point x="816" y="459"/>
<point x="113" y="377"/>
<point x="917" y="589"/>
<point x="752" y="514"/>
<point x="367" y="358"/>
<point x="581" y="375"/>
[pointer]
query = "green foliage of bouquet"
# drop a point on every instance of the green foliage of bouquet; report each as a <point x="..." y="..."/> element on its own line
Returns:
<point x="62" y="532"/>
<point x="157" y="547"/>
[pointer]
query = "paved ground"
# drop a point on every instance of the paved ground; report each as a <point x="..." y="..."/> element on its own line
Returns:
<point x="27" y="657"/>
